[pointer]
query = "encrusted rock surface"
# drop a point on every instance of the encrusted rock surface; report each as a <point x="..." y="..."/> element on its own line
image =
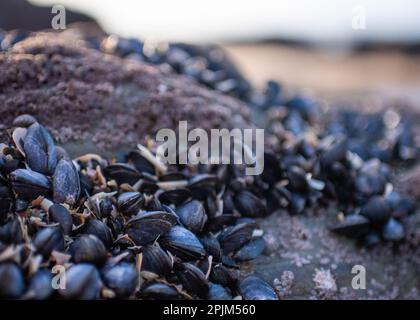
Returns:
<point x="99" y="102"/>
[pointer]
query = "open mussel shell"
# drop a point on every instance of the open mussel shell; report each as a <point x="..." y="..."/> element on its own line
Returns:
<point x="211" y="245"/>
<point x="147" y="226"/>
<point x="192" y="279"/>
<point x="159" y="291"/>
<point x="255" y="288"/>
<point x="29" y="185"/>
<point x="130" y="202"/>
<point x="249" y="205"/>
<point x="175" y="196"/>
<point x="156" y="260"/>
<point x="12" y="281"/>
<point x="61" y="215"/>
<point x="49" y="239"/>
<point x="377" y="210"/>
<point x="251" y="250"/>
<point x="40" y="287"/>
<point x="40" y="151"/>
<point x="183" y="244"/>
<point x="88" y="248"/>
<point x="121" y="278"/>
<point x="66" y="183"/>
<point x="122" y="173"/>
<point x="192" y="215"/>
<point x="98" y="229"/>
<point x="234" y="237"/>
<point x="82" y="282"/>
<point x="353" y="225"/>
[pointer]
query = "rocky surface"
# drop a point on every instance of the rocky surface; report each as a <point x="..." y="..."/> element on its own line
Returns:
<point x="96" y="102"/>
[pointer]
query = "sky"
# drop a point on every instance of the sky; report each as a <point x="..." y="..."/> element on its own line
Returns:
<point x="223" y="20"/>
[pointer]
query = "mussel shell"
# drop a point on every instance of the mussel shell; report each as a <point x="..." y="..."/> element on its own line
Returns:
<point x="159" y="291"/>
<point x="183" y="243"/>
<point x="147" y="226"/>
<point x="6" y="200"/>
<point x="89" y="249"/>
<point x="24" y="121"/>
<point x="141" y="163"/>
<point x="11" y="232"/>
<point x="220" y="222"/>
<point x="234" y="237"/>
<point x="105" y="207"/>
<point x="202" y="181"/>
<point x="297" y="179"/>
<point x="377" y="210"/>
<point x="60" y="214"/>
<point x="156" y="260"/>
<point x="98" y="229"/>
<point x="175" y="196"/>
<point x="192" y="279"/>
<point x="353" y="225"/>
<point x="49" y="239"/>
<point x="12" y="281"/>
<point x="249" y="205"/>
<point x="192" y="215"/>
<point x="82" y="282"/>
<point x="40" y="287"/>
<point x="41" y="155"/>
<point x="251" y="250"/>
<point x="218" y="292"/>
<point x="21" y="205"/>
<point x="122" y="279"/>
<point x="211" y="245"/>
<point x="223" y="275"/>
<point x="66" y="183"/>
<point x="336" y="153"/>
<point x="255" y="288"/>
<point x="29" y="185"/>
<point x="130" y="202"/>
<point x="122" y="173"/>
<point x="393" y="230"/>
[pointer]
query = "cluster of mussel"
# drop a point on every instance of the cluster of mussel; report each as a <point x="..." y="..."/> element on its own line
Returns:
<point x="345" y="163"/>
<point x="133" y="228"/>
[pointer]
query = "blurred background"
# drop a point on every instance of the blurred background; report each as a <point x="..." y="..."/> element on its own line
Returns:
<point x="336" y="48"/>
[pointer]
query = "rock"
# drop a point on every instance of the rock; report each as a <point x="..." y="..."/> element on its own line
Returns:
<point x="101" y="102"/>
